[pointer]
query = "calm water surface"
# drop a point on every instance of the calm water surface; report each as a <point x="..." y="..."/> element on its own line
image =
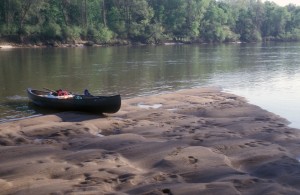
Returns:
<point x="268" y="75"/>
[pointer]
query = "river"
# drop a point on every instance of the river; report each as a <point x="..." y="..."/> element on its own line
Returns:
<point x="267" y="74"/>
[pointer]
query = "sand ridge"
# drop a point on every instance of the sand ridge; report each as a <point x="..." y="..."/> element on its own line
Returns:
<point x="196" y="141"/>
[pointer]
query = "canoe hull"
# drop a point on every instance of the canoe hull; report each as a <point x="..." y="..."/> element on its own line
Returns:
<point x="98" y="104"/>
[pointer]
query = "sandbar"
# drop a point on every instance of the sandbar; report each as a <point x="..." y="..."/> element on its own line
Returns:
<point x="193" y="141"/>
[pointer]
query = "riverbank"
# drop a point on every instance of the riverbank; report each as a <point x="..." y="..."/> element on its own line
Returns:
<point x="43" y="45"/>
<point x="197" y="141"/>
<point x="82" y="44"/>
<point x="8" y="45"/>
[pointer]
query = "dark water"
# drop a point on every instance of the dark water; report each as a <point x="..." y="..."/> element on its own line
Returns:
<point x="266" y="74"/>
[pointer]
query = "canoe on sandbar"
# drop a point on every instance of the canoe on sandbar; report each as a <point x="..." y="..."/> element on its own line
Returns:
<point x="98" y="104"/>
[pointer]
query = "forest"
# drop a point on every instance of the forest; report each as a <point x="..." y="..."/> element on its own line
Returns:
<point x="147" y="21"/>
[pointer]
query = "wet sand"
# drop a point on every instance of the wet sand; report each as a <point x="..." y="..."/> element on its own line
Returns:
<point x="196" y="141"/>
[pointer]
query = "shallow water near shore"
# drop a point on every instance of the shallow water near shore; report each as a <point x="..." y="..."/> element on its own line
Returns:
<point x="267" y="75"/>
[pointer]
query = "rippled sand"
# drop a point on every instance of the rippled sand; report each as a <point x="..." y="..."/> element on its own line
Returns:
<point x="198" y="141"/>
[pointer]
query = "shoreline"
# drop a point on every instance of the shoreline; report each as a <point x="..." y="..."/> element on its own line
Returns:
<point x="193" y="141"/>
<point x="57" y="44"/>
<point x="10" y="45"/>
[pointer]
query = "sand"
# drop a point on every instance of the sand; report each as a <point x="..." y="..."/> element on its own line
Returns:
<point x="6" y="46"/>
<point x="196" y="141"/>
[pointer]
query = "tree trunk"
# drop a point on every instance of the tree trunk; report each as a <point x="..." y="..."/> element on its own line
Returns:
<point x="127" y="16"/>
<point x="104" y="13"/>
<point x="6" y="15"/>
<point x="85" y="14"/>
<point x="62" y="6"/>
<point x="24" y="10"/>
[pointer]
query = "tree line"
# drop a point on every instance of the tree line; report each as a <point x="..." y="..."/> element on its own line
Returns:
<point x="147" y="21"/>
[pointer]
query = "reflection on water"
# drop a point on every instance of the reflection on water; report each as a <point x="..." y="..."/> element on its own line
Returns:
<point x="266" y="74"/>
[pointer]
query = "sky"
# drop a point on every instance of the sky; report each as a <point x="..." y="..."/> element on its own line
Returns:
<point x="286" y="2"/>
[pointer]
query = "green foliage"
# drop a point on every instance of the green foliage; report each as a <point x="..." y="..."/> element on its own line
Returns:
<point x="215" y="25"/>
<point x="229" y="35"/>
<point x="100" y="35"/>
<point x="149" y="21"/>
<point x="71" y="33"/>
<point x="174" y="18"/>
<point x="294" y="35"/>
<point x="8" y="29"/>
<point x="52" y="31"/>
<point x="117" y="22"/>
<point x="156" y="32"/>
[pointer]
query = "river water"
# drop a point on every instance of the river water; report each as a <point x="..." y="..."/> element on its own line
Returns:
<point x="268" y="75"/>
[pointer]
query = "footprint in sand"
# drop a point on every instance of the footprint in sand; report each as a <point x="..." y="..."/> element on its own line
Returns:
<point x="167" y="191"/>
<point x="246" y="183"/>
<point x="6" y="142"/>
<point x="192" y="160"/>
<point x="198" y="138"/>
<point x="126" y="177"/>
<point x="160" y="177"/>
